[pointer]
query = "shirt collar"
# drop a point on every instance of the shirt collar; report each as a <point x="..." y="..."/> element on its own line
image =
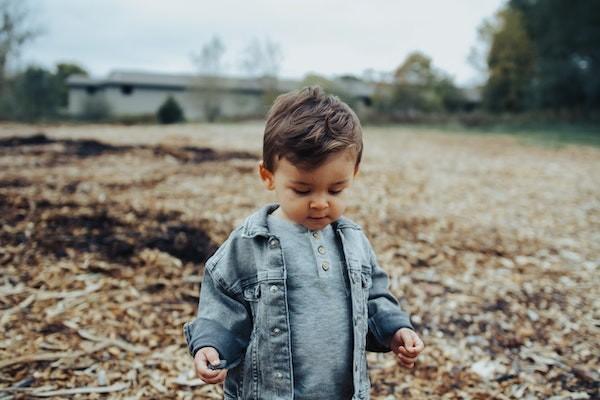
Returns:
<point x="256" y="224"/>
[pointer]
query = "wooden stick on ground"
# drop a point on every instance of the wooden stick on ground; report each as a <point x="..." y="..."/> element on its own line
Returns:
<point x="90" y="389"/>
<point x="39" y="357"/>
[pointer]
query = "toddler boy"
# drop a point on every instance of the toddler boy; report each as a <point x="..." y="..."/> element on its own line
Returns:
<point x="294" y="297"/>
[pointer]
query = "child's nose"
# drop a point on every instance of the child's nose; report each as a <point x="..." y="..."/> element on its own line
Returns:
<point x="319" y="203"/>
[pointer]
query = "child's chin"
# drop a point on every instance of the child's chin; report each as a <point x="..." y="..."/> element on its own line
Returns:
<point x="316" y="223"/>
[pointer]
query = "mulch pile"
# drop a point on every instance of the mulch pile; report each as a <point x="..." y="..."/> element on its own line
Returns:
<point x="493" y="247"/>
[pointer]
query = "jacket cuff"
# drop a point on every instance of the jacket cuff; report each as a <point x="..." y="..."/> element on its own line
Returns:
<point x="202" y="332"/>
<point x="382" y="329"/>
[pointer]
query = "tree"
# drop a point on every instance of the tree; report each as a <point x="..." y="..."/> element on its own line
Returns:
<point x="14" y="33"/>
<point x="36" y="94"/>
<point x="415" y="70"/>
<point x="566" y="41"/>
<point x="208" y="84"/>
<point x="479" y="52"/>
<point x="63" y="72"/>
<point x="210" y="59"/>
<point x="419" y="87"/>
<point x="545" y="55"/>
<point x="262" y="61"/>
<point x="510" y="64"/>
<point x="170" y="112"/>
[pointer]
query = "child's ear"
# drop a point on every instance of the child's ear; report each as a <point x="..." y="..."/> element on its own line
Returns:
<point x="266" y="176"/>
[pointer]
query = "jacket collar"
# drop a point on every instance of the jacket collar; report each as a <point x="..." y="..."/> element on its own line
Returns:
<point x="256" y="224"/>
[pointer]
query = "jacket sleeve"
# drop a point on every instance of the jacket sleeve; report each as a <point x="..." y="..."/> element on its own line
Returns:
<point x="223" y="320"/>
<point x="385" y="314"/>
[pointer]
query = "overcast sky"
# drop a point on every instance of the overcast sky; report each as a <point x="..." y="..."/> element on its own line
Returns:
<point x="329" y="37"/>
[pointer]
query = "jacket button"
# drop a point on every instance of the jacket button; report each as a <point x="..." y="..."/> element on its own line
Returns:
<point x="275" y="331"/>
<point x="321" y="249"/>
<point x="274" y="289"/>
<point x="273" y="243"/>
<point x="278" y="375"/>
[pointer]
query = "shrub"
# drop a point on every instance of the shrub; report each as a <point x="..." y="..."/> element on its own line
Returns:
<point x="170" y="112"/>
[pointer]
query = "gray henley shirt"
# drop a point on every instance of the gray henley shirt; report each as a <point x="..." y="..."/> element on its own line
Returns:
<point x="320" y="311"/>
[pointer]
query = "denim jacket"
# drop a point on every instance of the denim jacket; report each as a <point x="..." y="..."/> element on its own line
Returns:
<point x="243" y="310"/>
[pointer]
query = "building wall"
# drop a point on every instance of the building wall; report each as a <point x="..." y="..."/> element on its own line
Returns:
<point x="145" y="101"/>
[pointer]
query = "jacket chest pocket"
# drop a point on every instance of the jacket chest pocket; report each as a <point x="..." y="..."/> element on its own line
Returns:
<point x="366" y="282"/>
<point x="252" y="294"/>
<point x="361" y="282"/>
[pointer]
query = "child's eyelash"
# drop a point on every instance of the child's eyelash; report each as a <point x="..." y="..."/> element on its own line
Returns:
<point x="304" y="192"/>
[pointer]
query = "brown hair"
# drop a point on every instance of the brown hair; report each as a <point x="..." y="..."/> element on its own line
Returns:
<point x="306" y="126"/>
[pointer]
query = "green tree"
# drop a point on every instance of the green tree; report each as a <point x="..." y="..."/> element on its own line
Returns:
<point x="566" y="41"/>
<point x="36" y="94"/>
<point x="510" y="64"/>
<point x="63" y="72"/>
<point x="415" y="70"/>
<point x="419" y="87"/>
<point x="170" y="112"/>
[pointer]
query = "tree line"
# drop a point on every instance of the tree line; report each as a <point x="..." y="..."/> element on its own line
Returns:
<point x="544" y="55"/>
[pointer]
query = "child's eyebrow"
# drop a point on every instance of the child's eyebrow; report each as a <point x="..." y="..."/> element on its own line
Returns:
<point x="340" y="182"/>
<point x="308" y="184"/>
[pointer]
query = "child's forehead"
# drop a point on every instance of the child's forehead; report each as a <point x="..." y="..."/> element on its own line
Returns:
<point x="333" y="170"/>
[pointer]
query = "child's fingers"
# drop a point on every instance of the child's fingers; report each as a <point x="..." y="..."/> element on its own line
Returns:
<point x="402" y="350"/>
<point x="404" y="359"/>
<point x="418" y="346"/>
<point x="203" y="357"/>
<point x="413" y="343"/>
<point x="221" y="374"/>
<point x="212" y="356"/>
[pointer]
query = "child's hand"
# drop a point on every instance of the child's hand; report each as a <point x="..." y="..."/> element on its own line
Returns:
<point x="407" y="345"/>
<point x="205" y="356"/>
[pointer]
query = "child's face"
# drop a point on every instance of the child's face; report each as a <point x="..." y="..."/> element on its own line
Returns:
<point x="312" y="198"/>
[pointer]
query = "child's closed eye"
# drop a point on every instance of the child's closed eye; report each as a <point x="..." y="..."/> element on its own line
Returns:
<point x="301" y="192"/>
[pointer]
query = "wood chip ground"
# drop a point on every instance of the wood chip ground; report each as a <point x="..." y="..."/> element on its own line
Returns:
<point x="492" y="245"/>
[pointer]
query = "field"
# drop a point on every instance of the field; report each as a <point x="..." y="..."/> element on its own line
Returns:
<point x="492" y="245"/>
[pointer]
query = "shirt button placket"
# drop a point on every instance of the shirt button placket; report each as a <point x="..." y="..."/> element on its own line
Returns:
<point x="321" y="252"/>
